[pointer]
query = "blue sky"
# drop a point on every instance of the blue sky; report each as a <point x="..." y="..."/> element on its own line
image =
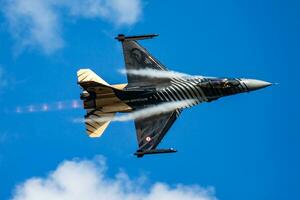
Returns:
<point x="244" y="146"/>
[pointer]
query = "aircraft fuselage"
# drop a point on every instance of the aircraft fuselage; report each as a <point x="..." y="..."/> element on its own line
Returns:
<point x="179" y="89"/>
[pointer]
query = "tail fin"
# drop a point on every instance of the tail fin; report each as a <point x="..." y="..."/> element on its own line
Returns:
<point x="99" y="100"/>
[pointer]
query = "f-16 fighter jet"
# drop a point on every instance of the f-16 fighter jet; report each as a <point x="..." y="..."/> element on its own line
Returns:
<point x="102" y="100"/>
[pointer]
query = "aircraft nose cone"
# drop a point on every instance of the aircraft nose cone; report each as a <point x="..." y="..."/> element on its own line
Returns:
<point x="253" y="84"/>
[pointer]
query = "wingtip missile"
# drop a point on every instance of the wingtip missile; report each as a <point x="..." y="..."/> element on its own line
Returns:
<point x="122" y="37"/>
<point x="154" y="151"/>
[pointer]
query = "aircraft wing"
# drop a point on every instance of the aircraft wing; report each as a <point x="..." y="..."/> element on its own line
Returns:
<point x="138" y="58"/>
<point x="151" y="130"/>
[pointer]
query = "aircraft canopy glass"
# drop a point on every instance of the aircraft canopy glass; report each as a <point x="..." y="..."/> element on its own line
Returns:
<point x="221" y="83"/>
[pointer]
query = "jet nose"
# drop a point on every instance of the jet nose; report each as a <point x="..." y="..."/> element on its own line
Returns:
<point x="253" y="84"/>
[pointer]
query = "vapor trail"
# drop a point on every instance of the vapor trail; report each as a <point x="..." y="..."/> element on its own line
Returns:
<point x="146" y="112"/>
<point x="154" y="110"/>
<point x="152" y="73"/>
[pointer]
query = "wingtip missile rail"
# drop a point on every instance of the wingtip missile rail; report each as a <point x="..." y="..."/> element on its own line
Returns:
<point x="122" y="37"/>
<point x="154" y="151"/>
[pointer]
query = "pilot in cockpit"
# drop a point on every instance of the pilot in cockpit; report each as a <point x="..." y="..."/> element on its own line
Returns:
<point x="221" y="83"/>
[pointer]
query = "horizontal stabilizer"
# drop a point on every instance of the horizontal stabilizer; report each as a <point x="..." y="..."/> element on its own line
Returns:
<point x="87" y="75"/>
<point x="96" y="122"/>
<point x="122" y="37"/>
<point x="154" y="151"/>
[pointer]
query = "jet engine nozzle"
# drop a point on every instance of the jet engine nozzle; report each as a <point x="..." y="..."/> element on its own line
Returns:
<point x="253" y="84"/>
<point x="84" y="95"/>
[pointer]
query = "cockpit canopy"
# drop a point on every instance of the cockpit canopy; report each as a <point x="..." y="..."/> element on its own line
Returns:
<point x="220" y="83"/>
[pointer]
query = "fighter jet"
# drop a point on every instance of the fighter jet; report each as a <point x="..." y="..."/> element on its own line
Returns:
<point x="102" y="100"/>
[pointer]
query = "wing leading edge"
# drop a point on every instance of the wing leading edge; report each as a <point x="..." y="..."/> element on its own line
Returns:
<point x="138" y="58"/>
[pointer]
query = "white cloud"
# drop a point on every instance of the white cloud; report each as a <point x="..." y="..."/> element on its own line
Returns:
<point x="34" y="22"/>
<point x="86" y="179"/>
<point x="119" y="12"/>
<point x="38" y="22"/>
<point x="127" y="12"/>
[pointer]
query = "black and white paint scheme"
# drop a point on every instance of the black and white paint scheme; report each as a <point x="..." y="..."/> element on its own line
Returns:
<point x="154" y="97"/>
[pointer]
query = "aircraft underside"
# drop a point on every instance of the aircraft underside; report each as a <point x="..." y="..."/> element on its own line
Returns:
<point x="102" y="100"/>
